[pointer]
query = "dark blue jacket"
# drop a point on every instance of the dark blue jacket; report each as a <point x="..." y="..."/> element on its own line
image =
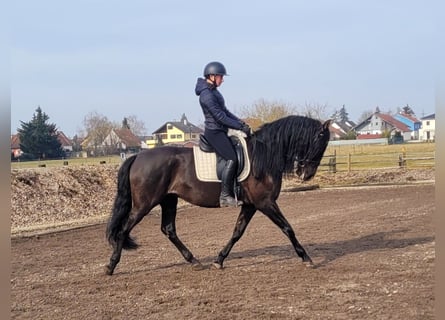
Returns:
<point x="217" y="116"/>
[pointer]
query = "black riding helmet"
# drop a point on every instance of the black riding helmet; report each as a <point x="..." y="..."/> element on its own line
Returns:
<point x="215" y="67"/>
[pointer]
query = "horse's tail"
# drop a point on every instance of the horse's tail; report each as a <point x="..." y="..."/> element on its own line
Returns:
<point x="121" y="208"/>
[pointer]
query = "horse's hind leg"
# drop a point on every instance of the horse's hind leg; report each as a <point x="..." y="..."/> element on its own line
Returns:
<point x="124" y="240"/>
<point x="273" y="213"/>
<point x="244" y="218"/>
<point x="168" y="227"/>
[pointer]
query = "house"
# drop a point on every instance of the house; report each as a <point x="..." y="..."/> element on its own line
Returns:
<point x="379" y="125"/>
<point x="339" y="129"/>
<point x="336" y="133"/>
<point x="65" y="143"/>
<point x="15" y="146"/>
<point x="427" y="131"/>
<point x="174" y="132"/>
<point x="122" y="140"/>
<point x="412" y="122"/>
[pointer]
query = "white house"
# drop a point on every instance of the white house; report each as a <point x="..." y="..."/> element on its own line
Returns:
<point x="428" y="129"/>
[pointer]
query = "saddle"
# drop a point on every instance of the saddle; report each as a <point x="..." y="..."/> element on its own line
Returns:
<point x="209" y="165"/>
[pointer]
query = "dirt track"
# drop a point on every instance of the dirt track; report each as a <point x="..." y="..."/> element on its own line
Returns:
<point x="373" y="249"/>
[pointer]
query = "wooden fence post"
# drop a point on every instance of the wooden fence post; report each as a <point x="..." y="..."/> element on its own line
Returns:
<point x="349" y="162"/>
<point x="402" y="158"/>
<point x="333" y="163"/>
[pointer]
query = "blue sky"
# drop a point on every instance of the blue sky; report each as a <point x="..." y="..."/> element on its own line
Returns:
<point x="142" y="58"/>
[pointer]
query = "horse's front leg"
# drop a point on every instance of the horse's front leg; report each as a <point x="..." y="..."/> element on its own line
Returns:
<point x="168" y="227"/>
<point x="273" y="212"/>
<point x="244" y="218"/>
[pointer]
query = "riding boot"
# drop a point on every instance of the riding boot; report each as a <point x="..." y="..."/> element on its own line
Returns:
<point x="226" y="199"/>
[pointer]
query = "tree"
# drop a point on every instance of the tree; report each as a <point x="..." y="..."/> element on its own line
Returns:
<point x="365" y="115"/>
<point x="39" y="138"/>
<point x="350" y="135"/>
<point x="263" y="111"/>
<point x="97" y="127"/>
<point x="136" y="126"/>
<point x="343" y="115"/>
<point x="125" y="124"/>
<point x="316" y="111"/>
<point x="76" y="143"/>
<point x="407" y="110"/>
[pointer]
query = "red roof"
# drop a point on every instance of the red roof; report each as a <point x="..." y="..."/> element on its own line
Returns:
<point x="128" y="137"/>
<point x="395" y="123"/>
<point x="15" y="141"/>
<point x="369" y="136"/>
<point x="64" y="141"/>
<point x="410" y="117"/>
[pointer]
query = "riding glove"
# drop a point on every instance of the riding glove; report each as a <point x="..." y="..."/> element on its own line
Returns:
<point x="246" y="129"/>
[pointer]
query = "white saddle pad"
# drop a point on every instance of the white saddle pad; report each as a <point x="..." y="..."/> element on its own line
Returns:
<point x="205" y="162"/>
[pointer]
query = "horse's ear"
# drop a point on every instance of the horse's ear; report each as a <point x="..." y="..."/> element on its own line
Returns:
<point x="326" y="124"/>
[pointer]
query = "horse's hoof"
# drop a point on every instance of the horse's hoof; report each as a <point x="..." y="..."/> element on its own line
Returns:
<point x="216" y="265"/>
<point x="108" y="271"/>
<point x="309" y="263"/>
<point x="197" y="266"/>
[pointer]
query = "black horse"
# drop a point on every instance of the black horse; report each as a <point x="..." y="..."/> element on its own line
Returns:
<point x="161" y="175"/>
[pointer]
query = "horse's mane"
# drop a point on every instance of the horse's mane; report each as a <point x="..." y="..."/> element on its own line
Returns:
<point x="276" y="145"/>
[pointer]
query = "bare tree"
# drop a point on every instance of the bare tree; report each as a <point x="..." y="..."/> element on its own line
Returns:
<point x="97" y="127"/>
<point x="263" y="111"/>
<point x="136" y="126"/>
<point x="315" y="110"/>
<point x="365" y="115"/>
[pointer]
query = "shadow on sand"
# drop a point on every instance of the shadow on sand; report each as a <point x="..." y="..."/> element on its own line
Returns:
<point x="330" y="251"/>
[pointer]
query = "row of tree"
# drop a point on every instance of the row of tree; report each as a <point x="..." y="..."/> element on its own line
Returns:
<point x="38" y="137"/>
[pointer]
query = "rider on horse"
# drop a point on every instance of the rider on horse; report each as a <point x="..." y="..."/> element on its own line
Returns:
<point x="218" y="119"/>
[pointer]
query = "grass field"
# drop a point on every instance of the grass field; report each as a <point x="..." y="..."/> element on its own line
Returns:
<point x="361" y="157"/>
<point x="358" y="157"/>
<point x="71" y="162"/>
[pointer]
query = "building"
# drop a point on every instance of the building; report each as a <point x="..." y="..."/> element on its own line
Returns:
<point x="427" y="131"/>
<point x="380" y="125"/>
<point x="174" y="132"/>
<point x="412" y="122"/>
<point x="65" y="143"/>
<point x="339" y="130"/>
<point x="122" y="140"/>
<point x="15" y="146"/>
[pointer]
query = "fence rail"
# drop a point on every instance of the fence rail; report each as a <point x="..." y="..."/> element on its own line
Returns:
<point x="333" y="162"/>
<point x="350" y="162"/>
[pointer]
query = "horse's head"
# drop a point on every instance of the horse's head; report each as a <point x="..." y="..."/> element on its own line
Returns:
<point x="307" y="161"/>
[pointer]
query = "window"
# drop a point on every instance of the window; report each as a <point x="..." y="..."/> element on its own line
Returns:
<point x="169" y="127"/>
<point x="427" y="123"/>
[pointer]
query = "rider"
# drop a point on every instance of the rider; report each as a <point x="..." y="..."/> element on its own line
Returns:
<point x="218" y="119"/>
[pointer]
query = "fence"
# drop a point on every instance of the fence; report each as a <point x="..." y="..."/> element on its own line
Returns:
<point x="351" y="159"/>
<point x="350" y="162"/>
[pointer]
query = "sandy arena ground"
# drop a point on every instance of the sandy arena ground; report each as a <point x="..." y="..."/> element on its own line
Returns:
<point x="373" y="249"/>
